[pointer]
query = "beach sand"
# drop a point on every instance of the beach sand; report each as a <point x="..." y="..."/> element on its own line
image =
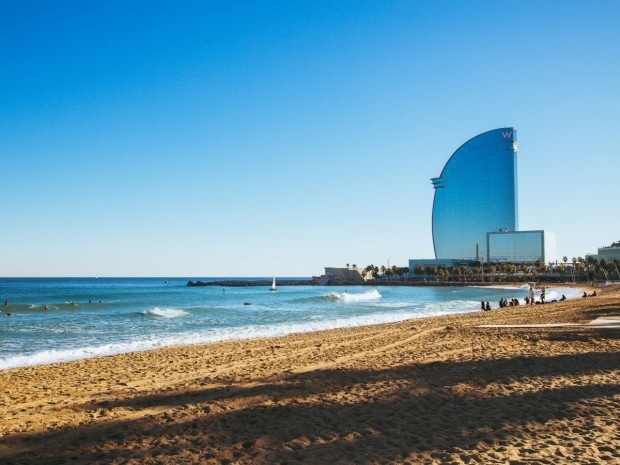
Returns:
<point x="433" y="390"/>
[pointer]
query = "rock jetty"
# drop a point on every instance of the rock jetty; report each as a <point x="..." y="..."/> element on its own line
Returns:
<point x="248" y="283"/>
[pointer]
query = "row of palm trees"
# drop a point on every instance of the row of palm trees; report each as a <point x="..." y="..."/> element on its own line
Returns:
<point x="372" y="271"/>
<point x="588" y="267"/>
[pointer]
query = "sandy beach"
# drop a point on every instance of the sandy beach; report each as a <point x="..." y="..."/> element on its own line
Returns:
<point x="433" y="390"/>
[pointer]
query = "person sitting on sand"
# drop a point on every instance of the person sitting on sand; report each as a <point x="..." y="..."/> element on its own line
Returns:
<point x="593" y="294"/>
<point x="585" y="294"/>
<point x="563" y="298"/>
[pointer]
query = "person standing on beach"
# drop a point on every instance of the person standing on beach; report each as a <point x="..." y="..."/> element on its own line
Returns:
<point x="542" y="295"/>
<point x="531" y="295"/>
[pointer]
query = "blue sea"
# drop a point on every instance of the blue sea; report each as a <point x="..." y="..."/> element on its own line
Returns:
<point x="90" y="317"/>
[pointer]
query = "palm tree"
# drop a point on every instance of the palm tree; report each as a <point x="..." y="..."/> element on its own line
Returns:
<point x="564" y="258"/>
<point x="562" y="268"/>
<point x="574" y="260"/>
<point x="419" y="270"/>
<point x="478" y="270"/>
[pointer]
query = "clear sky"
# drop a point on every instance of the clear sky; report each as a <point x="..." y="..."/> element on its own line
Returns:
<point x="152" y="138"/>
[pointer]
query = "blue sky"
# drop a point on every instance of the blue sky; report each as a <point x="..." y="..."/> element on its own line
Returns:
<point x="258" y="138"/>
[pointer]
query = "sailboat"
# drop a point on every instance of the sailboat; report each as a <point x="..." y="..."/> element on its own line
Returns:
<point x="273" y="285"/>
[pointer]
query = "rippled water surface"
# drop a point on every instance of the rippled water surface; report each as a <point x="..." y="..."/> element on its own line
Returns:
<point x="125" y="315"/>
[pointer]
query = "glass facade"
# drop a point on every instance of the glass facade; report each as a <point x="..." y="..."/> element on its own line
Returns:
<point x="476" y="193"/>
<point x="521" y="246"/>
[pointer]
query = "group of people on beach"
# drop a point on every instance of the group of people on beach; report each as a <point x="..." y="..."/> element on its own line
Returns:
<point x="503" y="303"/>
<point x="530" y="299"/>
<point x="585" y="294"/>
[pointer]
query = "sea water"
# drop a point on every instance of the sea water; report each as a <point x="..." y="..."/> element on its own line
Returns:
<point x="89" y="317"/>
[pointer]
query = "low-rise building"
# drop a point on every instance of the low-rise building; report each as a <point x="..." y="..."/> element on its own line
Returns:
<point x="609" y="253"/>
<point x="521" y="246"/>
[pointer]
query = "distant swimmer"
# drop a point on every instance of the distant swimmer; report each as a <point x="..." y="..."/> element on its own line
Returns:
<point x="90" y="301"/>
<point x="9" y="314"/>
<point x="6" y="303"/>
<point x="45" y="307"/>
<point x="247" y="303"/>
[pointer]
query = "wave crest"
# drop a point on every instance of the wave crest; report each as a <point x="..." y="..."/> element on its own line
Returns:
<point x="165" y="312"/>
<point x="346" y="297"/>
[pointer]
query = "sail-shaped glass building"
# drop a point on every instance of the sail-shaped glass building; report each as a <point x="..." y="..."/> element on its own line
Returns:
<point x="476" y="193"/>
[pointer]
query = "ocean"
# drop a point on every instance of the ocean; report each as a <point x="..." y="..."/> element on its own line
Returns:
<point x="90" y="317"/>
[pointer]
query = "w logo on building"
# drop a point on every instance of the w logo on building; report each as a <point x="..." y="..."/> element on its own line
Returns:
<point x="507" y="134"/>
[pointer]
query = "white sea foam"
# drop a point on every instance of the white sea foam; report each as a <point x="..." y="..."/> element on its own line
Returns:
<point x="363" y="297"/>
<point x="166" y="312"/>
<point x="396" y="304"/>
<point x="232" y="333"/>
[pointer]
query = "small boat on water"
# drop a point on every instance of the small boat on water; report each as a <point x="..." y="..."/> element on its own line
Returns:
<point x="273" y="285"/>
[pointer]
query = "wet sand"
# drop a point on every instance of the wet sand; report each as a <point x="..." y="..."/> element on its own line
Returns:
<point x="434" y="390"/>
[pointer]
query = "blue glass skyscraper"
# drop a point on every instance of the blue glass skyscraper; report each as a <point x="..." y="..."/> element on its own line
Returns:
<point x="476" y="193"/>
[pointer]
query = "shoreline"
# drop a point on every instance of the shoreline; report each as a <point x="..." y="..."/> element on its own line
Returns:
<point x="54" y="356"/>
<point x="435" y="389"/>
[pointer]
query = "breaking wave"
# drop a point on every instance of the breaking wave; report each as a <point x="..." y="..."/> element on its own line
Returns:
<point x="346" y="297"/>
<point x="165" y="312"/>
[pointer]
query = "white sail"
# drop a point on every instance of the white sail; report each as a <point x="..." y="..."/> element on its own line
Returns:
<point x="273" y="284"/>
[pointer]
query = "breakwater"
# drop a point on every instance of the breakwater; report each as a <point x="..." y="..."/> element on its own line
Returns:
<point x="248" y="283"/>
